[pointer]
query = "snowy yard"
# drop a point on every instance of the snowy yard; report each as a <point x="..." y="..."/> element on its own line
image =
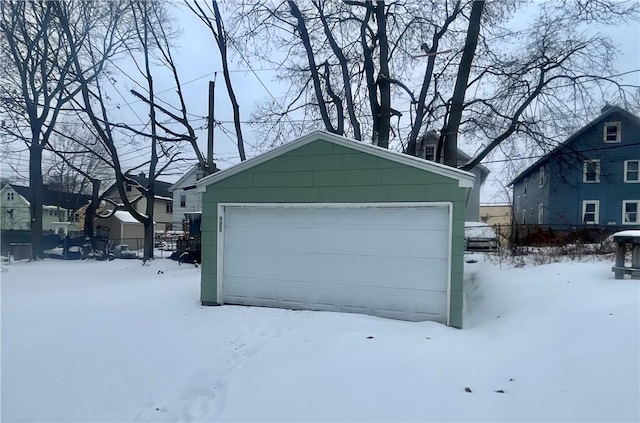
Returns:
<point x="118" y="341"/>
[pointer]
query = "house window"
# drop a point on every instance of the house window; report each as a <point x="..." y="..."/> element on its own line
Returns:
<point x="630" y="212"/>
<point x="524" y="216"/>
<point x="541" y="177"/>
<point x="169" y="208"/>
<point x="128" y="188"/>
<point x="590" y="212"/>
<point x="526" y="183"/>
<point x="10" y="196"/>
<point x="612" y="132"/>
<point x="632" y="171"/>
<point x="53" y="212"/>
<point x="540" y="214"/>
<point x="430" y="152"/>
<point x="183" y="201"/>
<point x="591" y="171"/>
<point x="76" y="217"/>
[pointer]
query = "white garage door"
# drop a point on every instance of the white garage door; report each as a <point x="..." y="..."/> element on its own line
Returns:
<point x="379" y="260"/>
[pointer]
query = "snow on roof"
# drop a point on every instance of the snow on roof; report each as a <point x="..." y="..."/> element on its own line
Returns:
<point x="125" y="217"/>
<point x="160" y="197"/>
<point x="626" y="234"/>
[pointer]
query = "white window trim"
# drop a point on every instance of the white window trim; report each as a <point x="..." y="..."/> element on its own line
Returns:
<point x="624" y="204"/>
<point x="626" y="167"/>
<point x="584" y="171"/>
<point x="540" y="213"/>
<point x="596" y="217"/>
<point x="618" y="125"/>
<point x="541" y="176"/>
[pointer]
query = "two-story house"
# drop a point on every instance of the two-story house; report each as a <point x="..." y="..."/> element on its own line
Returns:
<point x="426" y="149"/>
<point x="162" y="203"/>
<point x="592" y="178"/>
<point x="186" y="199"/>
<point x="57" y="206"/>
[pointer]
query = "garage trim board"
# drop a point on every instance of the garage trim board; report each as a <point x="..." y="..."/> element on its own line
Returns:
<point x="425" y="296"/>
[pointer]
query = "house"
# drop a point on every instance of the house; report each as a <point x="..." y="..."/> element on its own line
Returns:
<point x="426" y="148"/>
<point x="496" y="214"/>
<point x="186" y="199"/>
<point x="329" y="223"/>
<point x="163" y="201"/>
<point x="499" y="216"/>
<point x="591" y="179"/>
<point x="57" y="206"/>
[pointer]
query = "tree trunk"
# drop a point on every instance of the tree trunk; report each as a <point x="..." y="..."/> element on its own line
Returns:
<point x="149" y="235"/>
<point x="384" y="84"/>
<point x="222" y="46"/>
<point x="455" y="116"/>
<point x="313" y="67"/>
<point x="90" y="214"/>
<point x="36" y="186"/>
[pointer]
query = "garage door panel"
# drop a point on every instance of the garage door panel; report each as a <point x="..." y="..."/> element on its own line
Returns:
<point x="384" y="302"/>
<point x="387" y="242"/>
<point x="337" y="269"/>
<point x="391" y="262"/>
<point x="332" y="218"/>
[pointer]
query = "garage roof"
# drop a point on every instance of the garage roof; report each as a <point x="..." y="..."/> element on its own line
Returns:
<point x="465" y="179"/>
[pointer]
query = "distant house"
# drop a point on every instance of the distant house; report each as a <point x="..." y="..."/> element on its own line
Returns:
<point x="500" y="217"/>
<point x="426" y="149"/>
<point x="591" y="179"/>
<point x="186" y="199"/>
<point x="57" y="206"/>
<point x="163" y="201"/>
<point x="496" y="214"/>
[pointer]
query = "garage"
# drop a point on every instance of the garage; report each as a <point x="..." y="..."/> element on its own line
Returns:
<point x="338" y="258"/>
<point x="332" y="224"/>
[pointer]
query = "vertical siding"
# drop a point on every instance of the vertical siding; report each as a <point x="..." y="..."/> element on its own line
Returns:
<point x="324" y="172"/>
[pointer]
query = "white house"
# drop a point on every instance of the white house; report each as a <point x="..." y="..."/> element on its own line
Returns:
<point x="186" y="199"/>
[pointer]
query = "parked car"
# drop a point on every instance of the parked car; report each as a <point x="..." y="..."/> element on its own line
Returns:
<point x="479" y="236"/>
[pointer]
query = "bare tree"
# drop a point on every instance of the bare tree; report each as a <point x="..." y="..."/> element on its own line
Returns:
<point x="213" y="19"/>
<point x="80" y="164"/>
<point x="150" y="52"/>
<point x="76" y="160"/>
<point x="38" y="77"/>
<point x="476" y="78"/>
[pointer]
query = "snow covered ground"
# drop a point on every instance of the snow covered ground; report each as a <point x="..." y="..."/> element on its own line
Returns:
<point x="117" y="341"/>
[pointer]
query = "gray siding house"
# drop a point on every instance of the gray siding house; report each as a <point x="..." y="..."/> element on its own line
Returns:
<point x="426" y="149"/>
<point x="591" y="179"/>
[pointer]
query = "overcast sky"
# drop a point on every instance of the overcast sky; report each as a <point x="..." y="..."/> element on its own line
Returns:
<point x="198" y="60"/>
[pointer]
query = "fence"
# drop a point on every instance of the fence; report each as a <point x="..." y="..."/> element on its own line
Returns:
<point x="11" y="236"/>
<point x="563" y="238"/>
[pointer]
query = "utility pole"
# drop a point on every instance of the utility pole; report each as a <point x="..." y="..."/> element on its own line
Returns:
<point x="212" y="90"/>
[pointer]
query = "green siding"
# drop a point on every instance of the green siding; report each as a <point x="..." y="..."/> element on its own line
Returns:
<point x="325" y="172"/>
